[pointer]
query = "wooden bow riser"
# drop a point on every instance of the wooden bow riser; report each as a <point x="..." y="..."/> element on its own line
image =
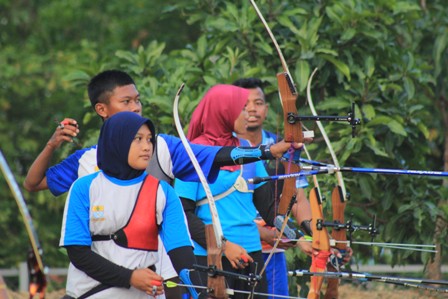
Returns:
<point x="338" y="203"/>
<point x="288" y="94"/>
<point x="289" y="188"/>
<point x="216" y="284"/>
<point x="293" y="133"/>
<point x="337" y="200"/>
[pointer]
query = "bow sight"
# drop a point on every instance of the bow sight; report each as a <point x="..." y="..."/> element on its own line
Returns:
<point x="350" y="227"/>
<point x="350" y="118"/>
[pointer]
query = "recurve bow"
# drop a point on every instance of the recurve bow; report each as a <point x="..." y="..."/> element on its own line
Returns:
<point x="215" y="237"/>
<point x="36" y="268"/>
<point x="293" y="133"/>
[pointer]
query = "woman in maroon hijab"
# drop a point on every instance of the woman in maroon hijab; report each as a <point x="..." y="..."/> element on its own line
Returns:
<point x="218" y="116"/>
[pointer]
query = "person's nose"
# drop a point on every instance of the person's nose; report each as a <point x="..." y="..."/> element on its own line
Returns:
<point x="136" y="107"/>
<point x="147" y="146"/>
<point x="250" y="107"/>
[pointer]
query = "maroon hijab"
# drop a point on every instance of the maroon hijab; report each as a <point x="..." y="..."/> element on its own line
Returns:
<point x="213" y="120"/>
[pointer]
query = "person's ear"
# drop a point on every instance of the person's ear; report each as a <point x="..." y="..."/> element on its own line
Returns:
<point x="101" y="110"/>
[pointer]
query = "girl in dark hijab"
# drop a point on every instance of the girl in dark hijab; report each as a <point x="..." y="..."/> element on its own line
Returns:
<point x="115" y="141"/>
<point x="113" y="217"/>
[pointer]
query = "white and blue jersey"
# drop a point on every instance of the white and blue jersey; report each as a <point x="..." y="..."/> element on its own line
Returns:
<point x="170" y="160"/>
<point x="98" y="204"/>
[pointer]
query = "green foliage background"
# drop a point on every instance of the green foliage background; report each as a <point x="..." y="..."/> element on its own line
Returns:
<point x="388" y="57"/>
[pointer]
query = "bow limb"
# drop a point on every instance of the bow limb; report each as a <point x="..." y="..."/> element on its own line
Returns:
<point x="338" y="196"/>
<point x="271" y="35"/>
<point x="214" y="234"/>
<point x="339" y="176"/>
<point x="36" y="268"/>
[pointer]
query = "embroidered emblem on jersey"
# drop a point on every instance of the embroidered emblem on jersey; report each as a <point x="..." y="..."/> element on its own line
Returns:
<point x="98" y="213"/>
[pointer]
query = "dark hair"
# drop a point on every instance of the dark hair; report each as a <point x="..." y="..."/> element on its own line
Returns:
<point x="102" y="85"/>
<point x="249" y="83"/>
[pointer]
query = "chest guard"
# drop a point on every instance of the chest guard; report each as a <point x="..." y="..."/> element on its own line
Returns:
<point x="141" y="231"/>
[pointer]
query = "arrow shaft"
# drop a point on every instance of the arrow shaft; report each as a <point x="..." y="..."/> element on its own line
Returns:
<point x="229" y="291"/>
<point x="352" y="275"/>
<point x="415" y="247"/>
<point x="311" y="170"/>
<point x="332" y="169"/>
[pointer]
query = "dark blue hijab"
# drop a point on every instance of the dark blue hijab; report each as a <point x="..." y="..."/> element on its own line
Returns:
<point x="116" y="136"/>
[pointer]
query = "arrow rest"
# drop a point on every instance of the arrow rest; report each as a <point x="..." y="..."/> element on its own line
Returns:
<point x="291" y="85"/>
<point x="347" y="196"/>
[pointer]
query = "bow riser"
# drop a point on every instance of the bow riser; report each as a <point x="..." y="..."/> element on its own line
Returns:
<point x="340" y="235"/>
<point x="289" y="189"/>
<point x="338" y="204"/>
<point x="288" y="96"/>
<point x="293" y="133"/>
<point x="214" y="254"/>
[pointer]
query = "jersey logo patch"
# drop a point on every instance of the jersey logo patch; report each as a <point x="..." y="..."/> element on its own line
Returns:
<point x="98" y="213"/>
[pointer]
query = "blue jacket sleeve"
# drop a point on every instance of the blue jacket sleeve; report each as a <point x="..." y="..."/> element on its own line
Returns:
<point x="60" y="177"/>
<point x="182" y="167"/>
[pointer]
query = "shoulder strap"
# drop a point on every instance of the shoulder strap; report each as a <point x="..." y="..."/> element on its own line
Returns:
<point x="240" y="185"/>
